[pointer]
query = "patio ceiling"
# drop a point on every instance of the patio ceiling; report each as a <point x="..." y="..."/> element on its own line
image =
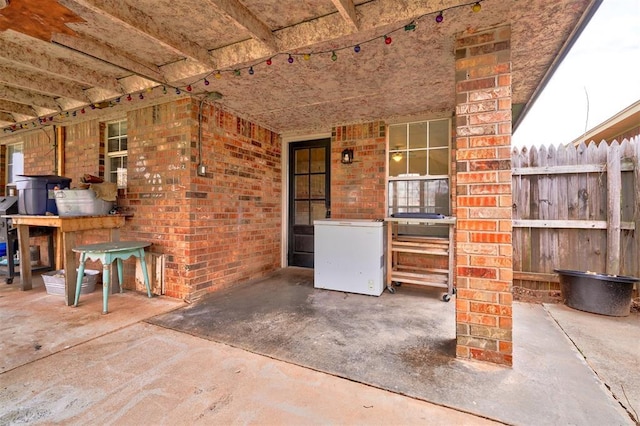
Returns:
<point x="65" y="56"/>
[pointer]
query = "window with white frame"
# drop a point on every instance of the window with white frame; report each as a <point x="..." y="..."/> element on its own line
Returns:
<point x="116" y="155"/>
<point x="15" y="161"/>
<point x="419" y="161"/>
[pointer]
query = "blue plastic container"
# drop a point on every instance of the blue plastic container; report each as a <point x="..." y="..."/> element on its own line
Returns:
<point x="35" y="193"/>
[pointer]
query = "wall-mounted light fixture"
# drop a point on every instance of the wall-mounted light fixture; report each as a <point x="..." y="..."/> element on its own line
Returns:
<point x="347" y="156"/>
<point x="396" y="156"/>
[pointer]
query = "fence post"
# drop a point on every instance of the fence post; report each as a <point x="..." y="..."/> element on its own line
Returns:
<point x="614" y="188"/>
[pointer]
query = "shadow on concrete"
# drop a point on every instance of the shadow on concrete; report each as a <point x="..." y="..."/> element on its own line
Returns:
<point x="404" y="343"/>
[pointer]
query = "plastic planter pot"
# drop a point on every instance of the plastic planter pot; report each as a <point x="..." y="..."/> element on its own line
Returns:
<point x="597" y="293"/>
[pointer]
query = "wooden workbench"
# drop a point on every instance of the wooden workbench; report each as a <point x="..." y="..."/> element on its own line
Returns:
<point x="66" y="228"/>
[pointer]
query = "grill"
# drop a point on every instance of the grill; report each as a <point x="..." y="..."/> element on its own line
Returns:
<point x="9" y="235"/>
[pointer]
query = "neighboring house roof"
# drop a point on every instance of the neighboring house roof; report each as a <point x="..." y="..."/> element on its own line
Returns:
<point x="623" y="125"/>
<point x="58" y="57"/>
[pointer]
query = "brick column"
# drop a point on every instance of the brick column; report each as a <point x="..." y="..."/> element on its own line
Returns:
<point x="484" y="270"/>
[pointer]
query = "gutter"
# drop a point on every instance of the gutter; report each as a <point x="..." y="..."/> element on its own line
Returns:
<point x="573" y="37"/>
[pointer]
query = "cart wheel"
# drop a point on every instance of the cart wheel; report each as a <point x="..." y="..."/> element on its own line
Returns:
<point x="391" y="289"/>
<point x="397" y="283"/>
<point x="446" y="297"/>
<point x="9" y="280"/>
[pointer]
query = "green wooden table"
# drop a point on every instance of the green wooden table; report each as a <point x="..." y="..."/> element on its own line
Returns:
<point x="106" y="253"/>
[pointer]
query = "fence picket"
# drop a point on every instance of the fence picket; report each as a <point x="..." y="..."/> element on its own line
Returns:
<point x="598" y="184"/>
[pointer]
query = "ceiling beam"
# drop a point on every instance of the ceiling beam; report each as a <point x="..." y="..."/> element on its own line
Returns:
<point x="28" y="98"/>
<point x="348" y="11"/>
<point x="93" y="48"/>
<point x="14" y="107"/>
<point x="123" y="14"/>
<point x="5" y="117"/>
<point x="305" y="35"/>
<point x="56" y="66"/>
<point x="259" y="31"/>
<point x="34" y="81"/>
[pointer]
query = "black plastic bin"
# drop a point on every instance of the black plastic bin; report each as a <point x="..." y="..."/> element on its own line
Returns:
<point x="597" y="293"/>
<point x="35" y="193"/>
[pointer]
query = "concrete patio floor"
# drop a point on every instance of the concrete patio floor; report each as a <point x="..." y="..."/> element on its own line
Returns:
<point x="68" y="365"/>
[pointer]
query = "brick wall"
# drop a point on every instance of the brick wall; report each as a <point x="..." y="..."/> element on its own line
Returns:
<point x="358" y="189"/>
<point x="215" y="230"/>
<point x="483" y="239"/>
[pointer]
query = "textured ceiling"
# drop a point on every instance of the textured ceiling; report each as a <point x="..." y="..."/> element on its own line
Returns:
<point x="59" y="57"/>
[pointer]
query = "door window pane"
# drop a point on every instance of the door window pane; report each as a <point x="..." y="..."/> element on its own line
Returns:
<point x="302" y="213"/>
<point x="317" y="186"/>
<point x="302" y="161"/>
<point x="318" y="160"/>
<point x="318" y="210"/>
<point x="302" y="186"/>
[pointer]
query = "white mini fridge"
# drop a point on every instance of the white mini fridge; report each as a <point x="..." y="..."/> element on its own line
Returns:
<point x="349" y="255"/>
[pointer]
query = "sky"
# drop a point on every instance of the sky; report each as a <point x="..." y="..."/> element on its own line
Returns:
<point x="603" y="67"/>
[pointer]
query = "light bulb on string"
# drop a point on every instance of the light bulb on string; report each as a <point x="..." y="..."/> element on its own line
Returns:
<point x="269" y="61"/>
<point x="356" y="48"/>
<point x="439" y="18"/>
<point x="217" y="75"/>
<point x="164" y="90"/>
<point x="387" y="40"/>
<point x="141" y="96"/>
<point x="177" y="91"/>
<point x="334" y="57"/>
<point x="206" y="82"/>
<point x="237" y="73"/>
<point x="410" y="27"/>
<point x="82" y="111"/>
<point x="290" y="59"/>
<point x="476" y="7"/>
<point x="306" y="56"/>
<point x="189" y="88"/>
<point x="129" y="97"/>
<point x="251" y="71"/>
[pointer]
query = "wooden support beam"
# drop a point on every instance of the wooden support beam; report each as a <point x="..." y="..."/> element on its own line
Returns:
<point x="125" y="14"/>
<point x="18" y="108"/>
<point x="95" y="49"/>
<point x="348" y="12"/>
<point x="27" y="97"/>
<point x="56" y="66"/>
<point x="245" y="18"/>
<point x="34" y="81"/>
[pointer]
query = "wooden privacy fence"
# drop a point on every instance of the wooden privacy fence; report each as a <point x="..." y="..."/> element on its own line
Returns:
<point x="576" y="208"/>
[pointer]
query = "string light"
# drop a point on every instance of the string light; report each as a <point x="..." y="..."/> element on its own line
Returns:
<point x="411" y="26"/>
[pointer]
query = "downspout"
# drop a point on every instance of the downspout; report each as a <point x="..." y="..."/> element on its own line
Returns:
<point x="59" y="141"/>
<point x="202" y="168"/>
<point x="573" y="37"/>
